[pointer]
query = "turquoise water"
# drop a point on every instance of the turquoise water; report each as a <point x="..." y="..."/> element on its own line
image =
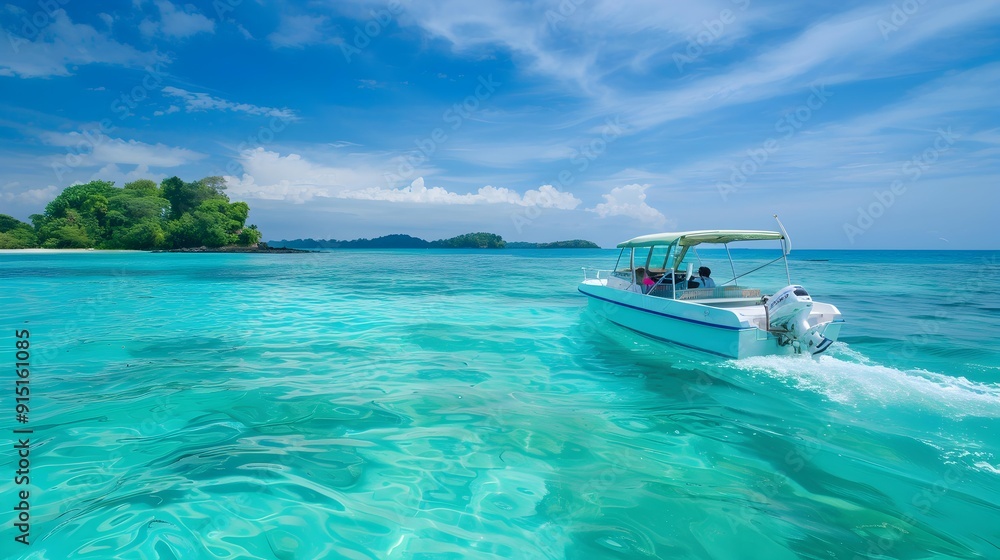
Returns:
<point x="451" y="404"/>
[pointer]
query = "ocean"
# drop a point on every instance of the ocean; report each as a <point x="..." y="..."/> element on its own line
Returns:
<point x="425" y="404"/>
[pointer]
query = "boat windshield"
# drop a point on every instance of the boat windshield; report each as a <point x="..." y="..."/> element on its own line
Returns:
<point x="651" y="258"/>
<point x="658" y="259"/>
<point x="692" y="260"/>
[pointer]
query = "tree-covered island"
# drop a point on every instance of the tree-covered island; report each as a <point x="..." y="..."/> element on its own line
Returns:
<point x="177" y="215"/>
<point x="479" y="240"/>
<point x="140" y="215"/>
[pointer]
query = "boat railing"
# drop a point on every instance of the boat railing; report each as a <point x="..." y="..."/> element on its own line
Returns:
<point x="727" y="292"/>
<point x="596" y="273"/>
<point x="688" y="294"/>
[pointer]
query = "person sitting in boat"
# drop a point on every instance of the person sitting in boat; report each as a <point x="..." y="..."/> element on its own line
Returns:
<point x="642" y="278"/>
<point x="702" y="280"/>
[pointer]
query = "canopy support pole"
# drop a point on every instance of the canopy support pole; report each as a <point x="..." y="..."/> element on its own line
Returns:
<point x="731" y="265"/>
<point x="786" y="245"/>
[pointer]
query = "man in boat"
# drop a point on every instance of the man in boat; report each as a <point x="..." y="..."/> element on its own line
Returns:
<point x="702" y="280"/>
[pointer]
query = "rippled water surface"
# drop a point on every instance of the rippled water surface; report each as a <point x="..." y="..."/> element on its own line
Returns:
<point x="453" y="404"/>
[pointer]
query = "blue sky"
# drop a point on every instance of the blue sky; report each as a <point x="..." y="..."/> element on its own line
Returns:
<point x="863" y="125"/>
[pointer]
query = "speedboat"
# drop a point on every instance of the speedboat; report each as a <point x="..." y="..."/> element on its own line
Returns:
<point x="653" y="290"/>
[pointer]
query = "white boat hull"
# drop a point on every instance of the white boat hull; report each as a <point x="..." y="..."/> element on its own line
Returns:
<point x="724" y="331"/>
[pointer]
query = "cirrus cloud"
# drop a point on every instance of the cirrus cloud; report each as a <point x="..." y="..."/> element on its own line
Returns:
<point x="103" y="149"/>
<point x="60" y="45"/>
<point x="196" y="101"/>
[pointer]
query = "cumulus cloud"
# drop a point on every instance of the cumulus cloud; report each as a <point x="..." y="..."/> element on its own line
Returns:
<point x="546" y="196"/>
<point x="177" y="23"/>
<point x="270" y="176"/>
<point x="195" y="101"/>
<point x="31" y="197"/>
<point x="114" y="173"/>
<point x="629" y="201"/>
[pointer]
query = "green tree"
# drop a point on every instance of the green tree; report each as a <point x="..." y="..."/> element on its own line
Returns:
<point x="479" y="240"/>
<point x="180" y="197"/>
<point x="248" y="236"/>
<point x="186" y="197"/>
<point x="15" y="234"/>
<point x="67" y="232"/>
<point x="182" y="233"/>
<point x="214" y="183"/>
<point x="145" y="187"/>
<point x="147" y="234"/>
<point x="140" y="215"/>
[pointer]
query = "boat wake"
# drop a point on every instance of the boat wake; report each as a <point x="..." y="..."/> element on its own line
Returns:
<point x="848" y="377"/>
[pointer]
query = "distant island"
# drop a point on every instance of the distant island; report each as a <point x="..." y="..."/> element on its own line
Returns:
<point x="400" y="241"/>
<point x="179" y="216"/>
<point x="141" y="215"/>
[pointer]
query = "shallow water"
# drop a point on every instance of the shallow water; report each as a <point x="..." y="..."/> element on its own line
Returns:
<point x="465" y="404"/>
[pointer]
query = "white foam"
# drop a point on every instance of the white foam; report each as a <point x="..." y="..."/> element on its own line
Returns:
<point x="853" y="382"/>
<point x="986" y="467"/>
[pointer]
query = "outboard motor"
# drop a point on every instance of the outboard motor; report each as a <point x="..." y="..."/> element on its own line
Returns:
<point x="788" y="314"/>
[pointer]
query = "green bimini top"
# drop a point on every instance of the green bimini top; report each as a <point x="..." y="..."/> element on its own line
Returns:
<point x="691" y="238"/>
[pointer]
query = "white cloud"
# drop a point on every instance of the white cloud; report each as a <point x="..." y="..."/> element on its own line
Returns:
<point x="31" y="197"/>
<point x="168" y="111"/>
<point x="299" y="31"/>
<point x="105" y="150"/>
<point x="177" y="23"/>
<point x="546" y="196"/>
<point x="271" y="176"/>
<point x="195" y="101"/>
<point x="243" y="31"/>
<point x="546" y="37"/>
<point x="62" y="44"/>
<point x="636" y="40"/>
<point x="629" y="201"/>
<point x="840" y="49"/>
<point x="268" y="175"/>
<point x="868" y="149"/>
<point x="112" y="172"/>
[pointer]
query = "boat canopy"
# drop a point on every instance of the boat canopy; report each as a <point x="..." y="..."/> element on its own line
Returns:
<point x="692" y="238"/>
